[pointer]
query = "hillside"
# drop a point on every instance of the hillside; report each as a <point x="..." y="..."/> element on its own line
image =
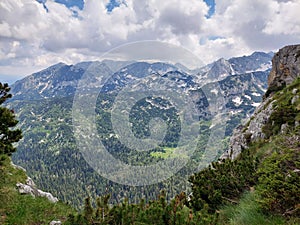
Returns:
<point x="25" y="209"/>
<point x="21" y="201"/>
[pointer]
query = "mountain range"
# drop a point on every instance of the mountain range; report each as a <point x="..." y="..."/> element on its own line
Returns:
<point x="43" y="102"/>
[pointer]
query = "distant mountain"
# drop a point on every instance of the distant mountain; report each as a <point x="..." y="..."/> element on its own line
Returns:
<point x="258" y="61"/>
<point x="59" y="80"/>
<point x="135" y="71"/>
<point x="43" y="102"/>
<point x="220" y="69"/>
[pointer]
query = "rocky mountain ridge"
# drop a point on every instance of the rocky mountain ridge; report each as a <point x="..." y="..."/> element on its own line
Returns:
<point x="222" y="68"/>
<point x="285" y="70"/>
<point x="61" y="80"/>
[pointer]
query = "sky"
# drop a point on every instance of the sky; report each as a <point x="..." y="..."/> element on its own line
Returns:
<point x="35" y="34"/>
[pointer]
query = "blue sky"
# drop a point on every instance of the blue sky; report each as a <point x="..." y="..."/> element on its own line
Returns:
<point x="37" y="34"/>
<point x="115" y="3"/>
<point x="68" y="3"/>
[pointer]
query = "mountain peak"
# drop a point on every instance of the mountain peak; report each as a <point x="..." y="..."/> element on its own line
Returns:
<point x="257" y="61"/>
<point x="56" y="66"/>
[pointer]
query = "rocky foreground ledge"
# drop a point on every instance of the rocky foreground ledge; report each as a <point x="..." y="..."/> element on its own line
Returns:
<point x="30" y="188"/>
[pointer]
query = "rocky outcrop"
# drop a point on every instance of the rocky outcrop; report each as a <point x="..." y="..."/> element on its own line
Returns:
<point x="17" y="167"/>
<point x="30" y="188"/>
<point x="285" y="68"/>
<point x="251" y="131"/>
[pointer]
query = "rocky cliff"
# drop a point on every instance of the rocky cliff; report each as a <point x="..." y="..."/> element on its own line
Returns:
<point x="285" y="70"/>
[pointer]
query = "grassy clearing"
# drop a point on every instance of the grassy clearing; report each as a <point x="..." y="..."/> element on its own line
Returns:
<point x="167" y="153"/>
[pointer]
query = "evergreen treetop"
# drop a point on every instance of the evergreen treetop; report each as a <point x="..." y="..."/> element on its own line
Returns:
<point x="8" y="121"/>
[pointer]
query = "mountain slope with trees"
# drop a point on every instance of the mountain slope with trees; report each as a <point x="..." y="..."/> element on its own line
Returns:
<point x="16" y="208"/>
<point x="260" y="185"/>
<point x="43" y="102"/>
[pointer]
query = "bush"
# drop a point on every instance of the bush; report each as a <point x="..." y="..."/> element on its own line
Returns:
<point x="223" y="182"/>
<point x="279" y="183"/>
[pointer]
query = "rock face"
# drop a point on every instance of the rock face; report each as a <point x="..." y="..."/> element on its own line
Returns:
<point x="285" y="69"/>
<point x="251" y="131"/>
<point x="30" y="188"/>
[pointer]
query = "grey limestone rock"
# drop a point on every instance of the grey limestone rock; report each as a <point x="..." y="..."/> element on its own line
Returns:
<point x="286" y="67"/>
<point x="55" y="222"/>
<point x="295" y="99"/>
<point x="30" y="188"/>
<point x="250" y="131"/>
<point x="295" y="90"/>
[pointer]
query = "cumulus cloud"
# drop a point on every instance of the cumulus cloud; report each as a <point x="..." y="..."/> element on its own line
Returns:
<point x="244" y="26"/>
<point x="35" y="35"/>
<point x="286" y="20"/>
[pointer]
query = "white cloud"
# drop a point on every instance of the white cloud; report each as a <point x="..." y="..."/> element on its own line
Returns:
<point x="31" y="37"/>
<point x="286" y="21"/>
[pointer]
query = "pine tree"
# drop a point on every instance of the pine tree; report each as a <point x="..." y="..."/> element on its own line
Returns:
<point x="8" y="121"/>
<point x="88" y="210"/>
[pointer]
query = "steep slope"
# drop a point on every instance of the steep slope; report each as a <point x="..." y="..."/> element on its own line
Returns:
<point x="285" y="70"/>
<point x="21" y="201"/>
<point x="24" y="209"/>
<point x="258" y="178"/>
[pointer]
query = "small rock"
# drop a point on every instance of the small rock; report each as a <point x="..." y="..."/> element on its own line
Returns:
<point x="55" y="222"/>
<point x="17" y="167"/>
<point x="294" y="91"/>
<point x="25" y="189"/>
<point x="295" y="99"/>
<point x="48" y="195"/>
<point x="284" y="128"/>
<point x="30" y="182"/>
